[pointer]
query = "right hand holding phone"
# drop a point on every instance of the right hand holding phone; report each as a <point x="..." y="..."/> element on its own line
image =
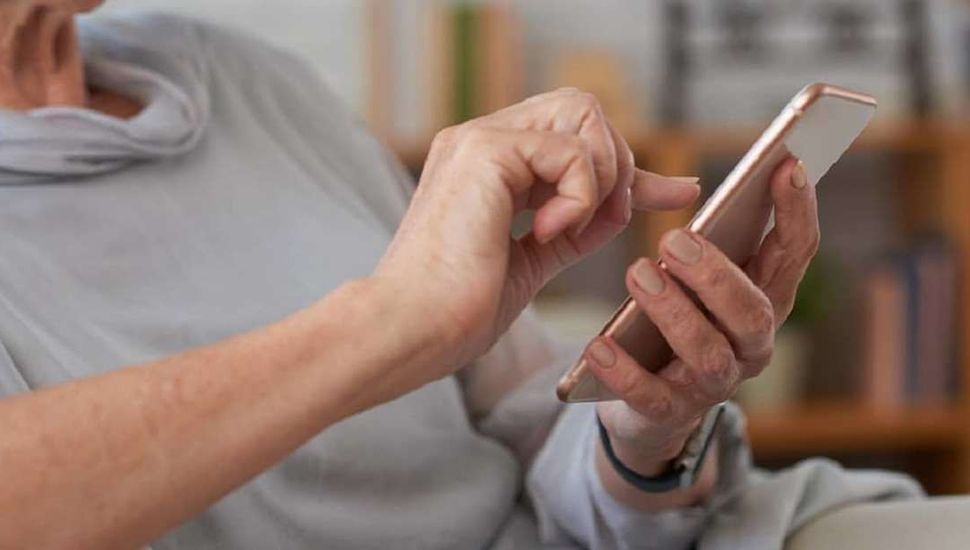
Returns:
<point x="714" y="351"/>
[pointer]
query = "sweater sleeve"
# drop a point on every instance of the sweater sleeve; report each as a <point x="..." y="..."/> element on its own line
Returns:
<point x="748" y="508"/>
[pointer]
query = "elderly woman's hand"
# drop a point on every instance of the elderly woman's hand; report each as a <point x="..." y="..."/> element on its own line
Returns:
<point x="714" y="350"/>
<point x="454" y="262"/>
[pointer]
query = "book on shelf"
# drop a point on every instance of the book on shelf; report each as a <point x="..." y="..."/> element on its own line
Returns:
<point x="602" y="73"/>
<point x="884" y="341"/>
<point x="476" y="54"/>
<point x="434" y="64"/>
<point x="910" y="315"/>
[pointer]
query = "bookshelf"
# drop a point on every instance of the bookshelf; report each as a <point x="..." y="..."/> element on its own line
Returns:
<point x="929" y="442"/>
<point x="841" y="427"/>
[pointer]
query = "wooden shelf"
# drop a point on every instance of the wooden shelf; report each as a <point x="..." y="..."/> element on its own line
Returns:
<point x="897" y="136"/>
<point x="850" y="427"/>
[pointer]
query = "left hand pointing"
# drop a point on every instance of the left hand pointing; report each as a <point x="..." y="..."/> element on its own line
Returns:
<point x="714" y="350"/>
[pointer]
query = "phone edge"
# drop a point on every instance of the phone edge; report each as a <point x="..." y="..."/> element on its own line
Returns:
<point x="748" y="163"/>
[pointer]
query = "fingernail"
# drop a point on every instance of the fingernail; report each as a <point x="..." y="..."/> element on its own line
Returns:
<point x="646" y="276"/>
<point x="542" y="238"/>
<point x="682" y="247"/>
<point x="798" y="178"/>
<point x="628" y="209"/>
<point x="578" y="230"/>
<point x="687" y="181"/>
<point x="601" y="354"/>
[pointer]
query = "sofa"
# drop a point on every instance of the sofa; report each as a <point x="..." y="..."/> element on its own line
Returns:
<point x="937" y="524"/>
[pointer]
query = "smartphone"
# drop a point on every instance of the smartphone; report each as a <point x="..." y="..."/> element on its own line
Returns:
<point x="816" y="126"/>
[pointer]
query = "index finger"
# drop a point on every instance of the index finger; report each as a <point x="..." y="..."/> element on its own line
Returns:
<point x="649" y="191"/>
<point x="568" y="111"/>
<point x="780" y="263"/>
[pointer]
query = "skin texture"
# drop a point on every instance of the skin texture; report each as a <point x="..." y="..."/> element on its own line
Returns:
<point x="131" y="454"/>
<point x="556" y="153"/>
<point x="40" y="60"/>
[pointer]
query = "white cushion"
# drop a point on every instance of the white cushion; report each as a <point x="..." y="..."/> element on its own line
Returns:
<point x="935" y="524"/>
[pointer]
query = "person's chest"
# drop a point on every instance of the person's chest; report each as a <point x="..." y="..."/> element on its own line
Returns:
<point x="159" y="257"/>
<point x="163" y="257"/>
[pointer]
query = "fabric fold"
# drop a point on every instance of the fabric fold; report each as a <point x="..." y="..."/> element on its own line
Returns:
<point x="54" y="142"/>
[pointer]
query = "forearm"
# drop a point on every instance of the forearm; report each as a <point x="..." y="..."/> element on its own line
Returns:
<point x="117" y="460"/>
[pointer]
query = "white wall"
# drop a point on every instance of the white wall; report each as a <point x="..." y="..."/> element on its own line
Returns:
<point x="328" y="32"/>
<point x="331" y="34"/>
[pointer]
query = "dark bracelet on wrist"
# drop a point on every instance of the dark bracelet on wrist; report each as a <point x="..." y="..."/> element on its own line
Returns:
<point x="683" y="470"/>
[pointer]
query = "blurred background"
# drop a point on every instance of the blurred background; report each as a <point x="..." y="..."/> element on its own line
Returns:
<point x="873" y="368"/>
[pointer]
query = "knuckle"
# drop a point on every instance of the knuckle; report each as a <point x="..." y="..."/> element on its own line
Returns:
<point x="588" y="101"/>
<point x="630" y="161"/>
<point x="444" y="134"/>
<point x="660" y="405"/>
<point x="714" y="274"/>
<point x="445" y="138"/>
<point x="626" y="385"/>
<point x="538" y="98"/>
<point x="759" y="362"/>
<point x="579" y="99"/>
<point x="472" y="135"/>
<point x="683" y="378"/>
<point x="801" y="246"/>
<point x="719" y="366"/>
<point x="761" y="318"/>
<point x="678" y="313"/>
<point x="814" y="240"/>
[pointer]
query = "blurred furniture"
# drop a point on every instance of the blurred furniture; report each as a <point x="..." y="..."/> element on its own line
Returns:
<point x="940" y="524"/>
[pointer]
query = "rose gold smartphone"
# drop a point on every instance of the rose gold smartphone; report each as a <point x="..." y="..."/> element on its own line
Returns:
<point x="816" y="126"/>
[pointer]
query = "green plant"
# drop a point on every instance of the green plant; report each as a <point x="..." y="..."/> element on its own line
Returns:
<point x="815" y="294"/>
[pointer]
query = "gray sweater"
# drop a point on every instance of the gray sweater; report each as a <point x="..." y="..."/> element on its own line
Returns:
<point x="245" y="191"/>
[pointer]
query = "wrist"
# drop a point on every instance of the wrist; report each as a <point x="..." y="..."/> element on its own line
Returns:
<point x="382" y="350"/>
<point x="648" y="463"/>
<point x="685" y="475"/>
<point x="408" y="324"/>
<point x="649" y="454"/>
<point x="624" y="492"/>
